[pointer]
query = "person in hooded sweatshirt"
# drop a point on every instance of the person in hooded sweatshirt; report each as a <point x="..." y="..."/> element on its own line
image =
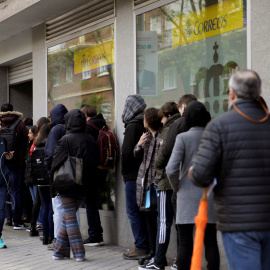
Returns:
<point x="76" y="143"/>
<point x="95" y="230"/>
<point x="58" y="130"/>
<point x="16" y="165"/>
<point x="132" y="117"/>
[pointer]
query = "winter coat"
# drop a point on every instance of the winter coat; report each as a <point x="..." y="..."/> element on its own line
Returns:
<point x="147" y="171"/>
<point x="81" y="145"/>
<point x="130" y="165"/>
<point x="99" y="121"/>
<point x="5" y="170"/>
<point x="188" y="196"/>
<point x="8" y="118"/>
<point x="57" y="132"/>
<point x="236" y="151"/>
<point x="163" y="181"/>
<point x="177" y="127"/>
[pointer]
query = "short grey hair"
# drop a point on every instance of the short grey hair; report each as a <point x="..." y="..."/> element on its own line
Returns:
<point x="246" y="84"/>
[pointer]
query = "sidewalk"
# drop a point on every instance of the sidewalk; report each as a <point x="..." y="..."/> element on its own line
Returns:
<point x="28" y="253"/>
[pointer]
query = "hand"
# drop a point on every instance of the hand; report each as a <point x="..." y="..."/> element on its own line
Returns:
<point x="142" y="139"/>
<point x="9" y="155"/>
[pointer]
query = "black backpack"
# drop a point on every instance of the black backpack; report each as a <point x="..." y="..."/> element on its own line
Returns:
<point x="9" y="134"/>
<point x="38" y="169"/>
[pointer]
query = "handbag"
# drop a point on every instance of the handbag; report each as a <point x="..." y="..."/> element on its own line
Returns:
<point x="151" y="197"/>
<point x="69" y="175"/>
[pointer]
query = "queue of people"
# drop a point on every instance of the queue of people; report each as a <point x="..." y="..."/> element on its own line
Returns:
<point x="168" y="154"/>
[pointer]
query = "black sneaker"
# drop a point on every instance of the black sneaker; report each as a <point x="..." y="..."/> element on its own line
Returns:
<point x="92" y="242"/>
<point x="9" y="222"/>
<point x="152" y="265"/>
<point x="20" y="226"/>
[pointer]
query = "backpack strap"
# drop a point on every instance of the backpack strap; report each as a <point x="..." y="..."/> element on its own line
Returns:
<point x="15" y="123"/>
<point x="92" y="125"/>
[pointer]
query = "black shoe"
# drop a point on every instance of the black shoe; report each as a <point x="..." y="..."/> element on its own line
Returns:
<point x="147" y="258"/>
<point x="45" y="241"/>
<point x="33" y="232"/>
<point x="152" y="265"/>
<point x="9" y="222"/>
<point x="20" y="226"/>
<point x="91" y="242"/>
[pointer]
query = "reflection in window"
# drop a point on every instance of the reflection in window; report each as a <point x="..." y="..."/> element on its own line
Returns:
<point x="191" y="47"/>
<point x="81" y="61"/>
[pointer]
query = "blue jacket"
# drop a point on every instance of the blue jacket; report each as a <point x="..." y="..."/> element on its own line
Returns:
<point x="57" y="132"/>
<point x="5" y="170"/>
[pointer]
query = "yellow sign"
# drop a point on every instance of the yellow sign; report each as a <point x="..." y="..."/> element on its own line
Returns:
<point x="213" y="20"/>
<point x="94" y="57"/>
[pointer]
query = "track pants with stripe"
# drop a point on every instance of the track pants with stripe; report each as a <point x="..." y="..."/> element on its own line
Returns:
<point x="165" y="220"/>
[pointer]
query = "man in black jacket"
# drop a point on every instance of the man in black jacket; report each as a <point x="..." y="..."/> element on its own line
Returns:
<point x="132" y="117"/>
<point x="235" y="149"/>
<point x="95" y="230"/>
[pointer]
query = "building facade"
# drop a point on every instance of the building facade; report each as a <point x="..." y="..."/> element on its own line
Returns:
<point x="99" y="52"/>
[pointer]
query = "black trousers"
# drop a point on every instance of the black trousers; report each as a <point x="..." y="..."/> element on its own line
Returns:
<point x="185" y="234"/>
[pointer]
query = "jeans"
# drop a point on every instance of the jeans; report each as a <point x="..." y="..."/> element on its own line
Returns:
<point x="58" y="214"/>
<point x="136" y="217"/>
<point x="47" y="214"/>
<point x="15" y="180"/>
<point x="164" y="223"/>
<point x="247" y="250"/>
<point x="33" y="192"/>
<point x="94" y="225"/>
<point x="3" y="192"/>
<point x="185" y="233"/>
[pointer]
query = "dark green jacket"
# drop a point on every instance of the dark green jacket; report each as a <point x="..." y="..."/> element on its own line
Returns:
<point x="163" y="181"/>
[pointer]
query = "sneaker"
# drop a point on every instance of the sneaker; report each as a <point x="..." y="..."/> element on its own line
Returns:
<point x="9" y="222"/>
<point x="92" y="242"/>
<point x="134" y="254"/>
<point x="174" y="266"/>
<point x="51" y="246"/>
<point x="80" y="259"/>
<point x="38" y="227"/>
<point x="20" y="226"/>
<point x="57" y="258"/>
<point x="2" y="244"/>
<point x="152" y="265"/>
<point x="33" y="232"/>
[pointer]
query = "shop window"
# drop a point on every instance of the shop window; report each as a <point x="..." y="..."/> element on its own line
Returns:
<point x="191" y="47"/>
<point x="81" y="60"/>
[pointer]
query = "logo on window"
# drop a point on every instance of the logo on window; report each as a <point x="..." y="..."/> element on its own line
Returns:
<point x="188" y="30"/>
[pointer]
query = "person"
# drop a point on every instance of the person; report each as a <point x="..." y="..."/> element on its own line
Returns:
<point x="95" y="230"/>
<point x="77" y="143"/>
<point x="132" y="118"/>
<point x="16" y="165"/>
<point x="188" y="196"/>
<point x="5" y="155"/>
<point x="168" y="113"/>
<point x="146" y="79"/>
<point x="147" y="147"/>
<point x="40" y="177"/>
<point x="58" y="130"/>
<point x="178" y="126"/>
<point x="235" y="149"/>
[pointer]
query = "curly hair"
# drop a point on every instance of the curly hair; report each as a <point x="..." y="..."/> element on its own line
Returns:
<point x="153" y="118"/>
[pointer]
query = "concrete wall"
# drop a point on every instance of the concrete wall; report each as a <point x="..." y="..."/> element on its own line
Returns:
<point x="39" y="73"/>
<point x="260" y="41"/>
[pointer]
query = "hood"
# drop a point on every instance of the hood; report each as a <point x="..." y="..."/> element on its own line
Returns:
<point x="10" y="116"/>
<point x="75" y="121"/>
<point x="57" y="114"/>
<point x="196" y="115"/>
<point x="98" y="120"/>
<point x="135" y="104"/>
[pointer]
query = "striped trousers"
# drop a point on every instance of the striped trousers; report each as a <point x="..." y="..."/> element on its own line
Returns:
<point x="69" y="234"/>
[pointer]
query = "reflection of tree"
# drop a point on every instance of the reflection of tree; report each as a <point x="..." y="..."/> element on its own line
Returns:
<point x="57" y="63"/>
<point x="94" y="100"/>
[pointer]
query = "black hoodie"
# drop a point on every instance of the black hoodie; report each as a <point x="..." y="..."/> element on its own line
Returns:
<point x="77" y="143"/>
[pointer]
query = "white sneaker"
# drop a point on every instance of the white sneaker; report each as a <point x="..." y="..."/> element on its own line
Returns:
<point x="57" y="258"/>
<point x="19" y="226"/>
<point x="80" y="259"/>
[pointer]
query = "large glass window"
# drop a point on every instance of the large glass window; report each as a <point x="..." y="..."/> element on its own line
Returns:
<point x="81" y="72"/>
<point x="191" y="47"/>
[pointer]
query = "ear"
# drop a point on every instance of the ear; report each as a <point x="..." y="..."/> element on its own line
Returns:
<point x="232" y="95"/>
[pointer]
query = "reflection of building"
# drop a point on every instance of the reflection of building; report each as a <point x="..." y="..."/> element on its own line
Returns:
<point x="58" y="28"/>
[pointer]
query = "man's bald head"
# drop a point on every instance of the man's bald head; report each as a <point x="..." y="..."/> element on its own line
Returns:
<point x="246" y="84"/>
